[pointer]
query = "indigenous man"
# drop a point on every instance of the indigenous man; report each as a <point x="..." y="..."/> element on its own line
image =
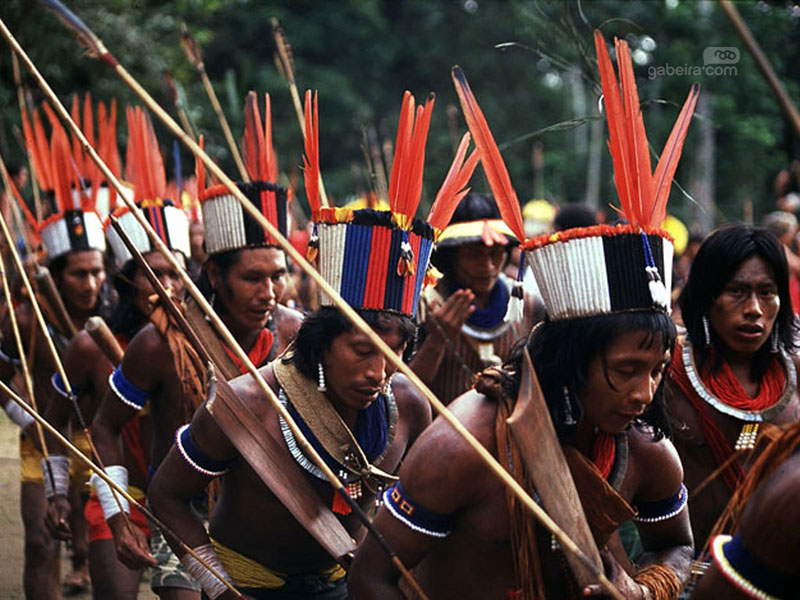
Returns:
<point x="760" y="559"/>
<point x="378" y="267"/>
<point x="733" y="371"/>
<point x="87" y="368"/>
<point x="73" y="239"/>
<point x="600" y="357"/>
<point x="245" y="275"/>
<point x="467" y="323"/>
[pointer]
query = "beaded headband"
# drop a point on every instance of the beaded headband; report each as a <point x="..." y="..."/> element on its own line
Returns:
<point x="599" y="270"/>
<point x="227" y="225"/>
<point x="379" y="259"/>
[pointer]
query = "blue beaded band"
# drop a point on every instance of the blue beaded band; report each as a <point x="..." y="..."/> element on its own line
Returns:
<point x="58" y="386"/>
<point x="413" y="515"/>
<point x="747" y="573"/>
<point x="195" y="457"/>
<point x="126" y="391"/>
<point x="661" y="510"/>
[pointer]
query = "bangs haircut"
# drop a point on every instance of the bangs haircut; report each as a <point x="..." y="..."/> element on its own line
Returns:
<point x="717" y="260"/>
<point x="321" y="327"/>
<point x="561" y="352"/>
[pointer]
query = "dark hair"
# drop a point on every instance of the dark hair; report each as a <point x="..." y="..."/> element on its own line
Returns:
<point x="126" y="318"/>
<point x="717" y="261"/>
<point x="561" y="352"/>
<point x="574" y="215"/>
<point x="472" y="207"/>
<point x="321" y="327"/>
<point x="224" y="261"/>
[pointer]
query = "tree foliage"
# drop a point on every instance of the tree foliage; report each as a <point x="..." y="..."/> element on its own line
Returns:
<point x="530" y="63"/>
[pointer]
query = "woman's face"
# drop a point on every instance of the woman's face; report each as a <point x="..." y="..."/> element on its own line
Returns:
<point x="623" y="380"/>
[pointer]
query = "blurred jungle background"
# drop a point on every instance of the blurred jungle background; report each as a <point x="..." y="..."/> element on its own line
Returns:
<point x="530" y="63"/>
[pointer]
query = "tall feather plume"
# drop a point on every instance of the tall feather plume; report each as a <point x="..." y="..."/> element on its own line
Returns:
<point x="149" y="179"/>
<point x="643" y="196"/>
<point x="62" y="169"/>
<point x="77" y="151"/>
<point x="270" y="159"/>
<point x="454" y="187"/>
<point x="253" y="141"/>
<point x="670" y="155"/>
<point x="311" y="158"/>
<point x="43" y="149"/>
<point x="405" y="185"/>
<point x="404" y="129"/>
<point x="107" y="141"/>
<point x="491" y="159"/>
<point x="41" y="164"/>
<point x="72" y="172"/>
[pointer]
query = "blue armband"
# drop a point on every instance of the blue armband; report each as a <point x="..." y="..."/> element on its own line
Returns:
<point x="413" y="515"/>
<point x="747" y="573"/>
<point x="195" y="457"/>
<point x="58" y="385"/>
<point x="661" y="510"/>
<point x="126" y="391"/>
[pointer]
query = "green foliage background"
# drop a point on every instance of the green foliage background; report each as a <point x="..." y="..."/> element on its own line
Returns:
<point x="362" y="54"/>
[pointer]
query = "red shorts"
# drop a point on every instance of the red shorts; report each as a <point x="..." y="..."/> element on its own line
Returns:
<point x="98" y="528"/>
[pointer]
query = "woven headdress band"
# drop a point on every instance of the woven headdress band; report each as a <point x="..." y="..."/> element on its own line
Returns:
<point x="227" y="226"/>
<point x="603" y="269"/>
<point x="378" y="259"/>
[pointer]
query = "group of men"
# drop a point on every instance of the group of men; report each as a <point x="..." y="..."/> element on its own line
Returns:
<point x="659" y="426"/>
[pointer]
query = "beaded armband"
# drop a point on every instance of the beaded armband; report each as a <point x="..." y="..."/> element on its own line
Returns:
<point x="747" y="573"/>
<point x="58" y="385"/>
<point x="413" y="515"/>
<point x="126" y="391"/>
<point x="195" y="457"/>
<point x="661" y="510"/>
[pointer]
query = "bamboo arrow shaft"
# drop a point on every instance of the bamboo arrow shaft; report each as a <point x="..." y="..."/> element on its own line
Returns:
<point x="226" y="129"/>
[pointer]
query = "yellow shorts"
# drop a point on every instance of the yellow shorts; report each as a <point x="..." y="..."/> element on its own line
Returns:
<point x="31" y="462"/>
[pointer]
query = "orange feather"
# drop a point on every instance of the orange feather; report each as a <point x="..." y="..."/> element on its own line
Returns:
<point x="643" y="196"/>
<point x="311" y="158"/>
<point x="454" y="185"/>
<point x="200" y="172"/>
<point x="43" y="148"/>
<point x="491" y="159"/>
<point x="40" y="164"/>
<point x="62" y="169"/>
<point x="270" y="159"/>
<point x="668" y="163"/>
<point x="404" y="128"/>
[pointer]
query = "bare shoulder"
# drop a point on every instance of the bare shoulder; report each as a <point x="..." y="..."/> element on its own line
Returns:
<point x="148" y="359"/>
<point x="250" y="393"/>
<point x="82" y="357"/>
<point x="769" y="522"/>
<point x="411" y="404"/>
<point x="657" y="465"/>
<point x="442" y="471"/>
<point x="287" y="322"/>
<point x="84" y="346"/>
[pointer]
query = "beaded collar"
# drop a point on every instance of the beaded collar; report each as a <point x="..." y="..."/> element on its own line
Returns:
<point x="751" y="416"/>
<point x="385" y="401"/>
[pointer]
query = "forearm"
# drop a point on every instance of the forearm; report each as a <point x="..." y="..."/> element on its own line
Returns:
<point x="106" y="437"/>
<point x="428" y="359"/>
